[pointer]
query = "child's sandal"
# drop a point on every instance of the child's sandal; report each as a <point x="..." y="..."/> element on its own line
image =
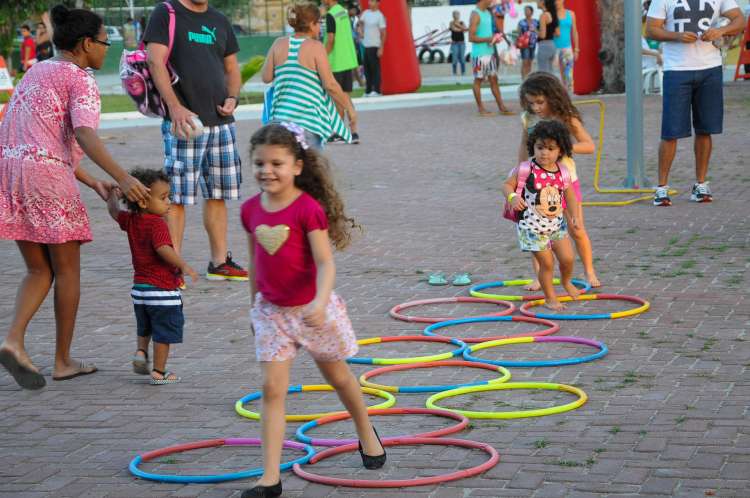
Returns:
<point x="165" y="378"/>
<point x="141" y="364"/>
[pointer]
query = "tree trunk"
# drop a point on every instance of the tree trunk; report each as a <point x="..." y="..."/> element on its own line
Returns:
<point x="612" y="54"/>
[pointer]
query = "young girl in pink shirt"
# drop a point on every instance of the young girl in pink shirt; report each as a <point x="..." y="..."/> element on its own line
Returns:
<point x="290" y="226"/>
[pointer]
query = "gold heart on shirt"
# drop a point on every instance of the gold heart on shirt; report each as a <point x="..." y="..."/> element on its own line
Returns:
<point x="272" y="238"/>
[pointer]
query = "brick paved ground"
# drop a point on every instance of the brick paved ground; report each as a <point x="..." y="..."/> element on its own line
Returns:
<point x="668" y="407"/>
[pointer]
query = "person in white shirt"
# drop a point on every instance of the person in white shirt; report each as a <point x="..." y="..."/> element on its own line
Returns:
<point x="371" y="29"/>
<point x="693" y="81"/>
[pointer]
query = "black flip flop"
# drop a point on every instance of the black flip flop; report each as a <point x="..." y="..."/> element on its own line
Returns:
<point x="24" y="376"/>
<point x="79" y="373"/>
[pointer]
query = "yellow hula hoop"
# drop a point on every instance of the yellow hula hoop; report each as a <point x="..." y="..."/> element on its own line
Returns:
<point x="597" y="168"/>
<point x="239" y="405"/>
<point x="539" y="412"/>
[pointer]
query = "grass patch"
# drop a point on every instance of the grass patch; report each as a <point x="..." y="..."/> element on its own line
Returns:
<point x="540" y="443"/>
<point x="686" y="265"/>
<point x="708" y="344"/>
<point x="643" y="334"/>
<point x="680" y="419"/>
<point x="614" y="430"/>
<point x="123" y="103"/>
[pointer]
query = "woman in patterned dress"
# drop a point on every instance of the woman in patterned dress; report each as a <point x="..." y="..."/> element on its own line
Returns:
<point x="50" y="124"/>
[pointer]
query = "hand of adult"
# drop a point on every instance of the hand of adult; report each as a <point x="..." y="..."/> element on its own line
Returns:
<point x="380" y="52"/>
<point x="230" y="104"/>
<point x="182" y="121"/>
<point x="711" y="35"/>
<point x="103" y="188"/>
<point x="687" y="37"/>
<point x="576" y="53"/>
<point x="133" y="189"/>
<point x="659" y="60"/>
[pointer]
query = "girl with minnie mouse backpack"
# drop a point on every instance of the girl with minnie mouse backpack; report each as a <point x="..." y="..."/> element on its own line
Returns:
<point x="535" y="191"/>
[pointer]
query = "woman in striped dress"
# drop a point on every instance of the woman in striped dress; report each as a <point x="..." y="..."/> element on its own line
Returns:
<point x="304" y="87"/>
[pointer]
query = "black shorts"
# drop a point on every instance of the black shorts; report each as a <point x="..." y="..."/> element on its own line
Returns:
<point x="345" y="79"/>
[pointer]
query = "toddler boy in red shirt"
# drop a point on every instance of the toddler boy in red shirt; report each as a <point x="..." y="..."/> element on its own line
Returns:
<point x="158" y="269"/>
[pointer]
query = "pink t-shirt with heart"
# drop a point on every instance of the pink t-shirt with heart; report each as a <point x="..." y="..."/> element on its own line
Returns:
<point x="285" y="270"/>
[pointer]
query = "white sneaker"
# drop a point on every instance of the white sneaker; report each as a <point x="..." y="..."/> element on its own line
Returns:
<point x="368" y="94"/>
<point x="701" y="193"/>
<point x="661" y="196"/>
<point x="376" y="94"/>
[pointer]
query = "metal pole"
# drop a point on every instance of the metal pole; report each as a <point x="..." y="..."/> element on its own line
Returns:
<point x="634" y="95"/>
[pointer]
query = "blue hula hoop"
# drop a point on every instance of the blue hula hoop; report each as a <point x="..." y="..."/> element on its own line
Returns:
<point x="603" y="350"/>
<point x="203" y="479"/>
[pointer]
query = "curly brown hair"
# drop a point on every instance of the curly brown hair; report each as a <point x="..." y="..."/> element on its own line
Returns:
<point x="316" y="179"/>
<point x="147" y="177"/>
<point x="544" y="84"/>
<point x="551" y="130"/>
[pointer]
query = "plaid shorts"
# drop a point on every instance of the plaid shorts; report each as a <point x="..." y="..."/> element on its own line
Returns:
<point x="211" y="160"/>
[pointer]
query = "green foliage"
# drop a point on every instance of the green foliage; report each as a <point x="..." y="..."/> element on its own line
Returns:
<point x="251" y="67"/>
<point x="12" y="15"/>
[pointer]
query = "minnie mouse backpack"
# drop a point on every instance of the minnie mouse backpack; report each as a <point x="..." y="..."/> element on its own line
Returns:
<point x="136" y="76"/>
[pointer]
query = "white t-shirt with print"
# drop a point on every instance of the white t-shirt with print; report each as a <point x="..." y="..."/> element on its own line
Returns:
<point x="695" y="16"/>
<point x="372" y="22"/>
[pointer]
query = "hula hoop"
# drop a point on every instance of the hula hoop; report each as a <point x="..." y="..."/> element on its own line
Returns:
<point x="401" y="483"/>
<point x="644" y="306"/>
<point x="213" y="443"/>
<point x="552" y="327"/>
<point x="474" y="291"/>
<point x="462" y="423"/>
<point x="414" y="359"/>
<point x="541" y="363"/>
<point x="396" y="310"/>
<point x="239" y="407"/>
<point x="505" y="376"/>
<point x="539" y="412"/>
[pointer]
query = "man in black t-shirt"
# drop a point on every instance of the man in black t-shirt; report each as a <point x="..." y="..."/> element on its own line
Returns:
<point x="204" y="57"/>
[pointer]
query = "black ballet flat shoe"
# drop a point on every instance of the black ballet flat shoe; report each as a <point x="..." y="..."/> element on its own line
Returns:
<point x="373" y="462"/>
<point x="263" y="491"/>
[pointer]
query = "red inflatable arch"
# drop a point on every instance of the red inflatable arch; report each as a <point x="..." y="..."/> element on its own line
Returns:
<point x="587" y="71"/>
<point x="399" y="65"/>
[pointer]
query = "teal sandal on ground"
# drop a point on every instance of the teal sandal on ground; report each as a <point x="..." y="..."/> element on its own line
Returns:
<point x="461" y="279"/>
<point x="437" y="279"/>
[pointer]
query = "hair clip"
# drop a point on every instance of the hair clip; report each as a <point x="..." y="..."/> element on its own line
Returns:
<point x="298" y="132"/>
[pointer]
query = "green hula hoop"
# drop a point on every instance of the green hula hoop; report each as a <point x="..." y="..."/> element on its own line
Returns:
<point x="239" y="406"/>
<point x="476" y="290"/>
<point x="540" y="412"/>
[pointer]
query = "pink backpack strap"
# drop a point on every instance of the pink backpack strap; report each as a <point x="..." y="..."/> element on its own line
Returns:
<point x="565" y="175"/>
<point x="171" y="29"/>
<point x="169" y="7"/>
<point x="524" y="170"/>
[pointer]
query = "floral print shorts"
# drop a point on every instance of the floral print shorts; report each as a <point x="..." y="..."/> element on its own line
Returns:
<point x="280" y="332"/>
<point x="530" y="241"/>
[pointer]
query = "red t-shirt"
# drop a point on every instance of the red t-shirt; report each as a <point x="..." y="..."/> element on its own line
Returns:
<point x="28" y="49"/>
<point x="147" y="233"/>
<point x="285" y="270"/>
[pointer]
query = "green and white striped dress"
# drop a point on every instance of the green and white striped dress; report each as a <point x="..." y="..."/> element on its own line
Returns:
<point x="299" y="97"/>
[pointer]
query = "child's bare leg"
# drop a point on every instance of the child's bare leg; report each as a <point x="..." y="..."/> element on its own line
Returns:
<point x="338" y="374"/>
<point x="161" y="353"/>
<point x="546" y="267"/>
<point x="272" y="420"/>
<point x="563" y="250"/>
<point x="583" y="246"/>
<point x="143" y="342"/>
<point x="534" y="285"/>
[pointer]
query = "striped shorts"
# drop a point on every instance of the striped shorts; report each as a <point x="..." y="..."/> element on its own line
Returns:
<point x="210" y="160"/>
<point x="158" y="313"/>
